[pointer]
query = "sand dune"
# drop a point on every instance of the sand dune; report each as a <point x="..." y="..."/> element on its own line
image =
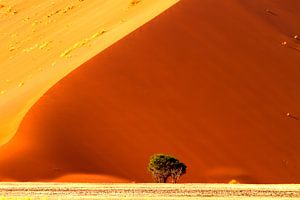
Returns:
<point x="215" y="83"/>
<point x="42" y="41"/>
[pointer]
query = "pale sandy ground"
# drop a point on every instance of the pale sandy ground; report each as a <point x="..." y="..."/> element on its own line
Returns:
<point x="149" y="191"/>
<point x="42" y="41"/>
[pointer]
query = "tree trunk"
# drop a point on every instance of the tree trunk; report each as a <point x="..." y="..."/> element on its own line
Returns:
<point x="165" y="179"/>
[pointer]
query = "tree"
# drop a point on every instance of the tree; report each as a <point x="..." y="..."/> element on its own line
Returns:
<point x="177" y="171"/>
<point x="164" y="166"/>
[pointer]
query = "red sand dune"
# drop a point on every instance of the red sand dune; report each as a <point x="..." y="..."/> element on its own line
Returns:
<point x="208" y="81"/>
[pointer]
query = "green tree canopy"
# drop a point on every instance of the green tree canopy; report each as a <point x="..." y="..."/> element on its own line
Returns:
<point x="163" y="166"/>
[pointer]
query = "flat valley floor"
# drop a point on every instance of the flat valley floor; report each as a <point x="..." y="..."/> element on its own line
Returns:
<point x="30" y="191"/>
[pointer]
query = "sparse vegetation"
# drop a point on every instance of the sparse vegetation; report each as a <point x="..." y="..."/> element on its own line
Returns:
<point x="135" y="2"/>
<point x="233" y="181"/>
<point x="162" y="167"/>
<point x="75" y="191"/>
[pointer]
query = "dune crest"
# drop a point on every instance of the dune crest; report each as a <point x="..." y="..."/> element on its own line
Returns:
<point x="43" y="41"/>
<point x="90" y="178"/>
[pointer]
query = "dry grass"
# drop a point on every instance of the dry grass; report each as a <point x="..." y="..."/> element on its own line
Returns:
<point x="32" y="191"/>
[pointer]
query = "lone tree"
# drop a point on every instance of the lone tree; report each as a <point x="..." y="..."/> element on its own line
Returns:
<point x="164" y="166"/>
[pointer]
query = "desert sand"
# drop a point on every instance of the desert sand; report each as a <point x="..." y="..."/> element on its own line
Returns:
<point x="90" y="191"/>
<point x="42" y="41"/>
<point x="214" y="83"/>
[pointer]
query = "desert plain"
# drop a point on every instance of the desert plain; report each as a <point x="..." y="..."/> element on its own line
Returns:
<point x="43" y="191"/>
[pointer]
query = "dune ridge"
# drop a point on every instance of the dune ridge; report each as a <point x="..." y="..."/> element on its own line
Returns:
<point x="215" y="83"/>
<point x="43" y="41"/>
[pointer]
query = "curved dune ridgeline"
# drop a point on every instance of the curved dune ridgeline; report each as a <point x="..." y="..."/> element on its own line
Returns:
<point x="214" y="83"/>
<point x="43" y="41"/>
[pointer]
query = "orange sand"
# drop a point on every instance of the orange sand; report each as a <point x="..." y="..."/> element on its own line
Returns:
<point x="43" y="41"/>
<point x="211" y="82"/>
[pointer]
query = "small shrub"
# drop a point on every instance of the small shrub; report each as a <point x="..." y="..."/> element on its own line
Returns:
<point x="233" y="181"/>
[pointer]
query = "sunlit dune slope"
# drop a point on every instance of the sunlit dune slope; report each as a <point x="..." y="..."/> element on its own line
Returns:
<point x="42" y="41"/>
<point x="215" y="83"/>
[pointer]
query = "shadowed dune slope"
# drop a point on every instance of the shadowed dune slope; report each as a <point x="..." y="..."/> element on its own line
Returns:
<point x="215" y="83"/>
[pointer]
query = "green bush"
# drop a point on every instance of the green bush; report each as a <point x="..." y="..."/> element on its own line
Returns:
<point x="163" y="167"/>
